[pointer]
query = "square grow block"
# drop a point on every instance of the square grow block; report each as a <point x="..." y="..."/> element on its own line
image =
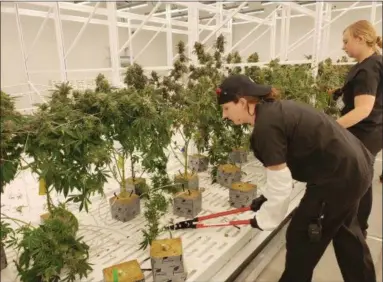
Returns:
<point x="129" y="271"/>
<point x="228" y="174"/>
<point x="188" y="203"/>
<point x="189" y="181"/>
<point x="138" y="185"/>
<point x="241" y="194"/>
<point x="125" y="208"/>
<point x="167" y="260"/>
<point x="3" y="258"/>
<point x="198" y="163"/>
<point x="238" y="155"/>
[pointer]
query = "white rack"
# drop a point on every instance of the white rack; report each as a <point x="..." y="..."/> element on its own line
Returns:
<point x="209" y="254"/>
<point x="222" y="17"/>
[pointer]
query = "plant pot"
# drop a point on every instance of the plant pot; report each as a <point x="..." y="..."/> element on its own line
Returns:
<point x="198" y="163"/>
<point x="125" y="208"/>
<point x="238" y="155"/>
<point x="188" y="203"/>
<point x="129" y="271"/>
<point x="167" y="260"/>
<point x="138" y="185"/>
<point x="189" y="181"/>
<point x="228" y="174"/>
<point x="3" y="258"/>
<point x="241" y="194"/>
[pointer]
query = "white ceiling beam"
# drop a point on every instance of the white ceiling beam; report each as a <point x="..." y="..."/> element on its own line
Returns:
<point x="41" y="14"/>
<point x="213" y="9"/>
<point x="104" y="12"/>
<point x="298" y="8"/>
<point x="120" y="14"/>
<point x="147" y="18"/>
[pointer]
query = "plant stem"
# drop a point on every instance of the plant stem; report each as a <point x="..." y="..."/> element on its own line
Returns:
<point x="123" y="180"/>
<point x="175" y="154"/>
<point x="132" y="167"/>
<point x="118" y="169"/>
<point x="186" y="157"/>
<point x="4" y="216"/>
<point x="49" y="201"/>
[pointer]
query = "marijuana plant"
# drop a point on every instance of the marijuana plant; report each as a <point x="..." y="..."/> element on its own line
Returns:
<point x="67" y="148"/>
<point x="52" y="251"/>
<point x="12" y="140"/>
<point x="155" y="207"/>
<point x="330" y="76"/>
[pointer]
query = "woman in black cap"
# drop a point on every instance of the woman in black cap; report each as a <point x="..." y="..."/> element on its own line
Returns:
<point x="295" y="141"/>
<point x="362" y="113"/>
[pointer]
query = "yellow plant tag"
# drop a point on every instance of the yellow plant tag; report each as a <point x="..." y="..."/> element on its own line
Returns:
<point x="42" y="187"/>
<point x="120" y="162"/>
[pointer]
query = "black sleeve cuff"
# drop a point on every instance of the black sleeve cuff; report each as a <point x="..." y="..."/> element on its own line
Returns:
<point x="254" y="223"/>
<point x="257" y="203"/>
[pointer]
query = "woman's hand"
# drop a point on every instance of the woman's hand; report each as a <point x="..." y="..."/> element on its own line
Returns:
<point x="336" y="93"/>
<point x="331" y="91"/>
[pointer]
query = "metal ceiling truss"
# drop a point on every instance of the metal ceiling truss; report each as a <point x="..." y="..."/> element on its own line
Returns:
<point x="223" y="15"/>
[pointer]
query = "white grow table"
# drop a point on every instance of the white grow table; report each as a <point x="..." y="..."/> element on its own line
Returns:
<point x="209" y="254"/>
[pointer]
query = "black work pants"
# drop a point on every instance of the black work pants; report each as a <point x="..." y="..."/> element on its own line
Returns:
<point x="373" y="141"/>
<point x="339" y="224"/>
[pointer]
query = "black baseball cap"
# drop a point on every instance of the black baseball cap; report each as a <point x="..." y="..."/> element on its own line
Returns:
<point x="239" y="84"/>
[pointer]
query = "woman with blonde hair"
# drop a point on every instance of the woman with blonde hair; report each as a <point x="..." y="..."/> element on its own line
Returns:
<point x="362" y="96"/>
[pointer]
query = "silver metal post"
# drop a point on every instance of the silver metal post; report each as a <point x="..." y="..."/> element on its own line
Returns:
<point x="113" y="43"/>
<point x="229" y="37"/>
<point x="273" y="35"/>
<point x="21" y="41"/>
<point x="199" y="33"/>
<point x="22" y="47"/>
<point x="287" y="32"/>
<point x="60" y="43"/>
<point x="373" y="12"/>
<point x="283" y="29"/>
<point x="317" y="38"/>
<point x="169" y="35"/>
<point x="326" y="35"/>
<point x="131" y="58"/>
<point x="193" y="20"/>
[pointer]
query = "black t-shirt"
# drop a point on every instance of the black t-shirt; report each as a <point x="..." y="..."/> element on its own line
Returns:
<point x="365" y="77"/>
<point x="315" y="147"/>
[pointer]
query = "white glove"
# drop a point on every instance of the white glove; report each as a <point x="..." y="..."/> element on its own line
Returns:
<point x="278" y="189"/>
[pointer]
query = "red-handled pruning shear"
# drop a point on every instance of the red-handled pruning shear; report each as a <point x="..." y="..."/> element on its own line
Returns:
<point x="196" y="222"/>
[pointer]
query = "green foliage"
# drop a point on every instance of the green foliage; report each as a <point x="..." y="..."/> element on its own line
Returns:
<point x="67" y="147"/>
<point x="5" y="231"/>
<point x="330" y="77"/>
<point x="52" y="250"/>
<point x="155" y="208"/>
<point x="12" y="140"/>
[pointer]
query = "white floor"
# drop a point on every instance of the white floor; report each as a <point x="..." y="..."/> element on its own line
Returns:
<point x="327" y="270"/>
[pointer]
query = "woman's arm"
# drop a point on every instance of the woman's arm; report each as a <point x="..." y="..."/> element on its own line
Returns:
<point x="363" y="107"/>
<point x="278" y="190"/>
<point x="365" y="86"/>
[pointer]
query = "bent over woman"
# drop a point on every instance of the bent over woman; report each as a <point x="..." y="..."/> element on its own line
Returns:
<point x="295" y="141"/>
